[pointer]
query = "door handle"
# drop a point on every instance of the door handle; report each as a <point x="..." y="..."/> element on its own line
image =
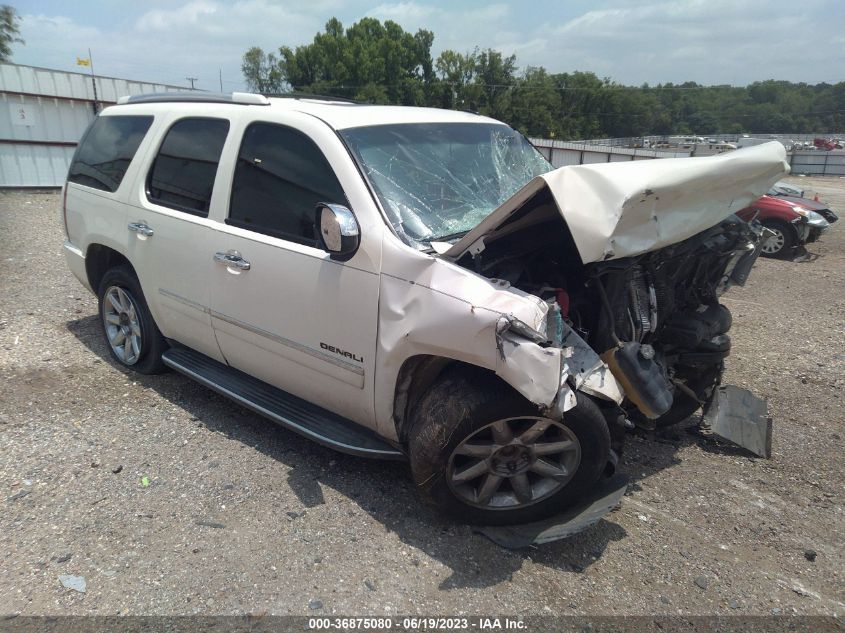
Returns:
<point x="231" y="259"/>
<point x="141" y="229"/>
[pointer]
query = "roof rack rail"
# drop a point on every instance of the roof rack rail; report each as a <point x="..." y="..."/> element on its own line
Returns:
<point x="243" y="98"/>
<point x="308" y="95"/>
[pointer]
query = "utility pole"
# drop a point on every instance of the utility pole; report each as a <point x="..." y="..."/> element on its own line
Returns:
<point x="192" y="80"/>
<point x="95" y="105"/>
<point x="220" y="70"/>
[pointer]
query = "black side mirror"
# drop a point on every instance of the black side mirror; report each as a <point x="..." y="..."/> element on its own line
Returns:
<point x="337" y="231"/>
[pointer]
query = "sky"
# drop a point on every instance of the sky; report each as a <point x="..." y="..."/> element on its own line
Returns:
<point x="731" y="42"/>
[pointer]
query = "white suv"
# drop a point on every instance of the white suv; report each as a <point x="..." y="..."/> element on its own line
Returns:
<point x="413" y="283"/>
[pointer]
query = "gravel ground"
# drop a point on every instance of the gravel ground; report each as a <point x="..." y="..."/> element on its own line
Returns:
<point x="168" y="499"/>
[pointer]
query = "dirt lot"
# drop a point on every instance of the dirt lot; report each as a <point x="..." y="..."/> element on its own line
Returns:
<point x="241" y="516"/>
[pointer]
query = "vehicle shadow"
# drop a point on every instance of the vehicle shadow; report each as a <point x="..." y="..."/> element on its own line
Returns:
<point x="384" y="489"/>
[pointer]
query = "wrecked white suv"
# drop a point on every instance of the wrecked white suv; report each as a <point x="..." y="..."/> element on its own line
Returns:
<point x="414" y="283"/>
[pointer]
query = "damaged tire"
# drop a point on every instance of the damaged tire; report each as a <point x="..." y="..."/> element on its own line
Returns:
<point x="482" y="453"/>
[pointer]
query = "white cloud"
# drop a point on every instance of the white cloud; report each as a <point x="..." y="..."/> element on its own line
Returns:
<point x="166" y="45"/>
<point x="193" y="13"/>
<point x="709" y="41"/>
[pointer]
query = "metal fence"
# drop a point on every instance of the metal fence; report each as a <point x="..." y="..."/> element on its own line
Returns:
<point x="818" y="163"/>
<point x="561" y="153"/>
<point x="43" y="114"/>
<point x="650" y="141"/>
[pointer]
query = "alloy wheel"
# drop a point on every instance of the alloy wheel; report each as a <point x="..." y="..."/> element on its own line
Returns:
<point x="122" y="325"/>
<point x="514" y="463"/>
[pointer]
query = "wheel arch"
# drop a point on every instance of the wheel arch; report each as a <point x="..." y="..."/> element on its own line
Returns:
<point x="416" y="376"/>
<point x="99" y="259"/>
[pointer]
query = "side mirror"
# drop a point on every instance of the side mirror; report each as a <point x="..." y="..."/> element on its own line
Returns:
<point x="338" y="231"/>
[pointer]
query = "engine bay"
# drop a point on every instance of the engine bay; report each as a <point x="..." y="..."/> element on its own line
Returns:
<point x="655" y="318"/>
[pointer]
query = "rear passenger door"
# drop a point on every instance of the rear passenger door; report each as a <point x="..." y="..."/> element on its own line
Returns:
<point x="172" y="230"/>
<point x="289" y="314"/>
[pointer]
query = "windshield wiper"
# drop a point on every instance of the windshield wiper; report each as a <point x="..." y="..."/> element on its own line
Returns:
<point x="446" y="238"/>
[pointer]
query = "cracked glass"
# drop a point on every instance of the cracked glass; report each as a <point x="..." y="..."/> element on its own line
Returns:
<point x="436" y="181"/>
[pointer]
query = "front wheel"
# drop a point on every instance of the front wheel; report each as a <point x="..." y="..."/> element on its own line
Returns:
<point x="481" y="453"/>
<point x="131" y="334"/>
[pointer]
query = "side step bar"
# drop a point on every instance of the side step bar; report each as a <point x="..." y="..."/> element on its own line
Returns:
<point x="296" y="414"/>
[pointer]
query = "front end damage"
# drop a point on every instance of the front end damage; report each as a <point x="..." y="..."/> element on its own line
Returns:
<point x="630" y="262"/>
<point x="593" y="291"/>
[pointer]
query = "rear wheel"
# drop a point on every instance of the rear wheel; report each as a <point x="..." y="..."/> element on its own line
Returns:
<point x="783" y="240"/>
<point x="481" y="453"/>
<point x="131" y="334"/>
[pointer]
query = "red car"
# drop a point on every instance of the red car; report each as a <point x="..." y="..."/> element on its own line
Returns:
<point x="826" y="143"/>
<point x="793" y="225"/>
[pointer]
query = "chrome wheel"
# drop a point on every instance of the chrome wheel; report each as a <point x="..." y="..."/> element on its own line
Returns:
<point x="775" y="243"/>
<point x="123" y="328"/>
<point x="514" y="463"/>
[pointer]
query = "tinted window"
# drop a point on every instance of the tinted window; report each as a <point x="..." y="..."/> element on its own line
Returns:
<point x="280" y="177"/>
<point x="104" y="154"/>
<point x="182" y="175"/>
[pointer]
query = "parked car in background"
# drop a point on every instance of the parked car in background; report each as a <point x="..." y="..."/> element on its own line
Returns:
<point x="793" y="225"/>
<point x="819" y="207"/>
<point x="795" y="195"/>
<point x="826" y="143"/>
<point x="687" y="141"/>
<point x="781" y="188"/>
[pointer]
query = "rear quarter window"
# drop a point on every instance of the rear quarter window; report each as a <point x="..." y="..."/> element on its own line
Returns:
<point x="106" y="150"/>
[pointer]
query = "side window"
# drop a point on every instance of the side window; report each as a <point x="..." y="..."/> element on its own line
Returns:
<point x="182" y="174"/>
<point x="104" y="153"/>
<point x="279" y="178"/>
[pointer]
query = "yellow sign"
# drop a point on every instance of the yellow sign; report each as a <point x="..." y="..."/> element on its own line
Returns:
<point x="83" y="62"/>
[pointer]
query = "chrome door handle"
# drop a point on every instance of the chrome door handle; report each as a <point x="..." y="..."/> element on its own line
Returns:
<point x="140" y="228"/>
<point x="231" y="259"/>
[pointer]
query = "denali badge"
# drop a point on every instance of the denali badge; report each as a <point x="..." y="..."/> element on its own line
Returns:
<point x="337" y="350"/>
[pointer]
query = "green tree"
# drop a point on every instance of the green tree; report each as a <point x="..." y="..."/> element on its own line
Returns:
<point x="9" y="32"/>
<point x="382" y="63"/>
<point x="457" y="75"/>
<point x="261" y="71"/>
<point x="370" y="61"/>
<point x="495" y="74"/>
<point x="533" y="105"/>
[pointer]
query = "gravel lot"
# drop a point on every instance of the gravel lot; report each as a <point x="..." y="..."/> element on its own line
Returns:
<point x="240" y="516"/>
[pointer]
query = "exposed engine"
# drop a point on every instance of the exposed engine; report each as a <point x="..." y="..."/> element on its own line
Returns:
<point x="655" y="319"/>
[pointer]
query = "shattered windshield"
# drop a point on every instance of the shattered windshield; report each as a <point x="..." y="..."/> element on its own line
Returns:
<point x="438" y="180"/>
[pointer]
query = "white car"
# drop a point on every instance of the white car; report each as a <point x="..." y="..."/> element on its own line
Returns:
<point x="413" y="283"/>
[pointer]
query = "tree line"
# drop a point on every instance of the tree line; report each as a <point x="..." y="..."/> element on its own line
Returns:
<point x="382" y="63"/>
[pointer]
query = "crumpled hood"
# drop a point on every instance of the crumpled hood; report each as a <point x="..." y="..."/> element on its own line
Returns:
<point x="621" y="209"/>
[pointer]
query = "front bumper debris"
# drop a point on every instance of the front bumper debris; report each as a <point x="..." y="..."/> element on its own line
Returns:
<point x="740" y="417"/>
<point x="606" y="497"/>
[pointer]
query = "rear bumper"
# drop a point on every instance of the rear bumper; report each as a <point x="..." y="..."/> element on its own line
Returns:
<point x="75" y="259"/>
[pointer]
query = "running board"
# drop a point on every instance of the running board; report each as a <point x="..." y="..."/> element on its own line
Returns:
<point x="296" y="414"/>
